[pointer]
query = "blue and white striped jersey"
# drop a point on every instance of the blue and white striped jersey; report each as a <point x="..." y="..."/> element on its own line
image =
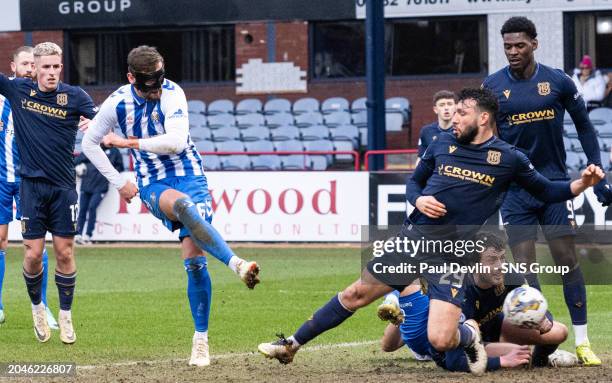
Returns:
<point x="134" y="117"/>
<point x="9" y="156"/>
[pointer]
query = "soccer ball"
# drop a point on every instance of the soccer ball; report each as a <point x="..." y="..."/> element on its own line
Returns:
<point x="525" y="306"/>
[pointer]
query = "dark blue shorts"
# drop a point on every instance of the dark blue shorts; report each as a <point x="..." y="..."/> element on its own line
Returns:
<point x="47" y="207"/>
<point x="195" y="187"/>
<point x="522" y="213"/>
<point x="443" y="286"/>
<point x="9" y="191"/>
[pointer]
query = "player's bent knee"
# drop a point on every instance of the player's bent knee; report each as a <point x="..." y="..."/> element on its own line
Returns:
<point x="441" y="341"/>
<point x="559" y="332"/>
<point x="354" y="297"/>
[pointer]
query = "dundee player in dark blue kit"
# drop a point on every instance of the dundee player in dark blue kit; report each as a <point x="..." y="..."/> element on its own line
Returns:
<point x="444" y="108"/>
<point x="533" y="99"/>
<point x="459" y="181"/>
<point x="46" y="115"/>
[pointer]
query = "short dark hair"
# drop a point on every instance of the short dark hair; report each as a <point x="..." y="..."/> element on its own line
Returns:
<point x="143" y="59"/>
<point x="519" y="24"/>
<point x="22" y="49"/>
<point x="443" y="94"/>
<point x="485" y="100"/>
<point x="488" y="240"/>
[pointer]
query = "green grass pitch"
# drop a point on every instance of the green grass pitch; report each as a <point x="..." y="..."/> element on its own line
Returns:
<point x="131" y="305"/>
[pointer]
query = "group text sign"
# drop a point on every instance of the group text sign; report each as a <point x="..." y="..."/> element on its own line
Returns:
<point x="415" y="8"/>
<point x="254" y="206"/>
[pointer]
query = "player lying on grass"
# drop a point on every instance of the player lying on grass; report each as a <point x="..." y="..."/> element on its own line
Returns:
<point x="152" y="114"/>
<point x="506" y="344"/>
<point x="444" y="204"/>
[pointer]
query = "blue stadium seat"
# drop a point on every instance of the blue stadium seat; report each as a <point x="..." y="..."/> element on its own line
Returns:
<point x="259" y="146"/>
<point x="249" y="105"/>
<point x="294" y="162"/>
<point x="574" y="161"/>
<point x="196" y="107"/>
<point x="570" y="130"/>
<point x="217" y="121"/>
<point x="605" y="159"/>
<point x="567" y="119"/>
<point x="600" y="116"/>
<point x="211" y="162"/>
<point x="277" y="105"/>
<point x="226" y="133"/>
<point x="604" y="130"/>
<point x="205" y="146"/>
<point x="394" y="122"/>
<point x="335" y="104"/>
<point x="315" y="132"/>
<point x="306" y="105"/>
<point x="229" y="146"/>
<point x="363" y="136"/>
<point x="197" y="120"/>
<point x="266" y="162"/>
<point x="251" y="119"/>
<point x="200" y="133"/>
<point x="284" y="133"/>
<point x="314" y="160"/>
<point x="359" y="105"/>
<point x="221" y="106"/>
<point x="279" y="119"/>
<point x="235" y="162"/>
<point x="398" y="105"/>
<point x="360" y="119"/>
<point x="348" y="133"/>
<point x="308" y="119"/>
<point x="605" y="143"/>
<point x="289" y="146"/>
<point x="255" y="133"/>
<point x="337" y="118"/>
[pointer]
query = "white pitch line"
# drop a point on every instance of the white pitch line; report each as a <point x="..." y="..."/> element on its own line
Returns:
<point x="229" y="355"/>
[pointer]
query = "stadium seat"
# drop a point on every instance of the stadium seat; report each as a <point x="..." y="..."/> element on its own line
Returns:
<point x="236" y="162"/>
<point x="348" y="133"/>
<point x="229" y="146"/>
<point x="570" y="130"/>
<point x="567" y="119"/>
<point x="605" y="159"/>
<point x="294" y="162"/>
<point x="363" y="136"/>
<point x="314" y="160"/>
<point x="306" y="105"/>
<point x="601" y="116"/>
<point x="197" y="120"/>
<point x="335" y="104"/>
<point x="249" y="105"/>
<point x="283" y="133"/>
<point x="279" y="119"/>
<point x="337" y="118"/>
<point x="343" y="146"/>
<point x="255" y="133"/>
<point x="604" y="130"/>
<point x="315" y="132"/>
<point x="289" y="146"/>
<point x="196" y="107"/>
<point x="266" y="162"/>
<point x="359" y="105"/>
<point x="574" y="161"/>
<point x="221" y="106"/>
<point x="277" y="105"/>
<point x="200" y="133"/>
<point x="205" y="146"/>
<point x="226" y="133"/>
<point x="398" y="105"/>
<point x="251" y="119"/>
<point x="360" y="119"/>
<point x="394" y="122"/>
<point x="308" y="119"/>
<point x="259" y="146"/>
<point x="211" y="162"/>
<point x="217" y="121"/>
<point x="605" y="143"/>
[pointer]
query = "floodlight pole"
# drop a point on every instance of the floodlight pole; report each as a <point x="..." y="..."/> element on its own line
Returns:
<point x="375" y="77"/>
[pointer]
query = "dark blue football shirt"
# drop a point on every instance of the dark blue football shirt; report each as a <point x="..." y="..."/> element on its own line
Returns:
<point x="531" y="117"/>
<point x="428" y="134"/>
<point x="471" y="180"/>
<point x="46" y="125"/>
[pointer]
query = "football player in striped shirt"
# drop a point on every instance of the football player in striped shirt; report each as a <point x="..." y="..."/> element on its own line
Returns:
<point x="151" y="112"/>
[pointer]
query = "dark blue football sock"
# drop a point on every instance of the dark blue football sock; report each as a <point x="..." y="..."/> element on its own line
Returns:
<point x="532" y="280"/>
<point x="65" y="287"/>
<point x="326" y="318"/>
<point x="575" y="295"/>
<point x="539" y="357"/>
<point x="33" y="283"/>
<point x="205" y="236"/>
<point x="466" y="336"/>
<point x="199" y="291"/>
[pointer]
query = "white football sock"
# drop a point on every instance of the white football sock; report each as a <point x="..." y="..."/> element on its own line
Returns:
<point x="580" y="334"/>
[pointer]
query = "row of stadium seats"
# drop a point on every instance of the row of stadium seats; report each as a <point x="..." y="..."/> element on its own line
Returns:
<point x="304" y="105"/>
